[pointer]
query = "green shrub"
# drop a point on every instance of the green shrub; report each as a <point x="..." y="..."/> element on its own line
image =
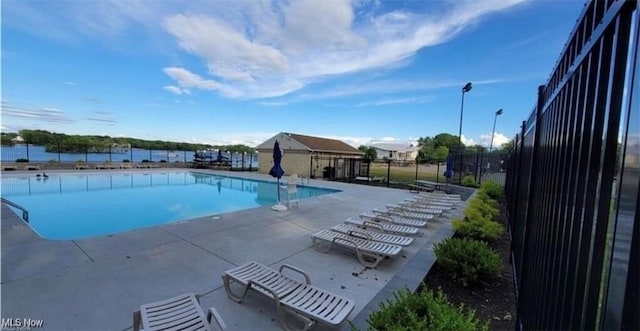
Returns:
<point x="468" y="261"/>
<point x="479" y="229"/>
<point x="422" y="311"/>
<point x="469" y="181"/>
<point x="22" y="160"/>
<point x="494" y="190"/>
<point x="487" y="209"/>
<point x="484" y="197"/>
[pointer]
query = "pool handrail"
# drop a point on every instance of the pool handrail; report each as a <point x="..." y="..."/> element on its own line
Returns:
<point x="25" y="212"/>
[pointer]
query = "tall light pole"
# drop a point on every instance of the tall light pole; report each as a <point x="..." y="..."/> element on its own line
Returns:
<point x="466" y="88"/>
<point x="499" y="112"/>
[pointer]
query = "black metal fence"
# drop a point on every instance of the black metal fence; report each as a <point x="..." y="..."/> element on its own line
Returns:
<point x="68" y="155"/>
<point x="573" y="182"/>
<point x="478" y="167"/>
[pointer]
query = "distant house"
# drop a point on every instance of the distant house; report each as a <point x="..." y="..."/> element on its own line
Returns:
<point x="308" y="156"/>
<point x="17" y="140"/>
<point x="398" y="152"/>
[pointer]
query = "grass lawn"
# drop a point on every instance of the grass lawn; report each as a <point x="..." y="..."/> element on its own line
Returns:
<point x="408" y="174"/>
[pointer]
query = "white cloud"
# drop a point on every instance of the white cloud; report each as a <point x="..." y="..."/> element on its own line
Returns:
<point x="467" y="141"/>
<point x="187" y="79"/>
<point x="395" y="101"/>
<point x="260" y="49"/>
<point x="40" y="114"/>
<point x="256" y="48"/>
<point x="173" y="89"/>
<point x="498" y="139"/>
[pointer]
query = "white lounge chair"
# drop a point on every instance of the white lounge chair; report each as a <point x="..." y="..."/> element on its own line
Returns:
<point x="80" y="166"/>
<point x="369" y="252"/>
<point x="400" y="216"/>
<point x="435" y="195"/>
<point x="293" y="297"/>
<point x="179" y="313"/>
<point x="433" y="210"/>
<point x="385" y="227"/>
<point x="396" y="217"/>
<point x="445" y="205"/>
<point x="353" y="230"/>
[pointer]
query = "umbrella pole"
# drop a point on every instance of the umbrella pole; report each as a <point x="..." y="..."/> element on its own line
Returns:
<point x="278" y="206"/>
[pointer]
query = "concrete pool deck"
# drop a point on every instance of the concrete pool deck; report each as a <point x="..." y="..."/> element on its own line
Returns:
<point x="96" y="283"/>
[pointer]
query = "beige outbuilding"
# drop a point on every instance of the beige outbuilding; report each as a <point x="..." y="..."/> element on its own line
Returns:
<point x="308" y="156"/>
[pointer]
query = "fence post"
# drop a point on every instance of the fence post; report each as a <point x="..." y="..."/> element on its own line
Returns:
<point x="27" y="151"/>
<point x="532" y="197"/>
<point x="58" y="152"/>
<point x="389" y="168"/>
<point x="478" y="171"/>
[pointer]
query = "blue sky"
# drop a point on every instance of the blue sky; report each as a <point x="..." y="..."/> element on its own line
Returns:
<point x="238" y="72"/>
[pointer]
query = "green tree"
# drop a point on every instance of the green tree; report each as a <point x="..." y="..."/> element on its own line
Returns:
<point x="441" y="153"/>
<point x="7" y="138"/>
<point x="507" y="146"/>
<point x="370" y="153"/>
<point x="55" y="142"/>
<point x="447" y="140"/>
<point x="437" y="148"/>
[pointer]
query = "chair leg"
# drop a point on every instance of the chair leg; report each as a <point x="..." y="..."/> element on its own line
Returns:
<point x="316" y="245"/>
<point x="227" y="287"/>
<point x="282" y="314"/>
<point x="365" y="259"/>
<point x="137" y="320"/>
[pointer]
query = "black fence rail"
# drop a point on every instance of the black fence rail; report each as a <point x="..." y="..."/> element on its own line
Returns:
<point x="63" y="156"/>
<point x="475" y="168"/>
<point x="478" y="167"/>
<point x="573" y="182"/>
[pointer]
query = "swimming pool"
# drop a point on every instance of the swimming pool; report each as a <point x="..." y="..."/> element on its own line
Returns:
<point x="74" y="206"/>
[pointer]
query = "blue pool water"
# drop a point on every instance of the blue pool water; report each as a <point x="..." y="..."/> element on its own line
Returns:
<point x="73" y="206"/>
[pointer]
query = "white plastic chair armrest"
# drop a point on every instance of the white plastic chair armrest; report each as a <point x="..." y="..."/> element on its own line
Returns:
<point x="302" y="272"/>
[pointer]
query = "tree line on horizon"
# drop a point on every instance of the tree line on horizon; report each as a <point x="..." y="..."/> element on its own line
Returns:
<point x="63" y="143"/>
<point x="436" y="149"/>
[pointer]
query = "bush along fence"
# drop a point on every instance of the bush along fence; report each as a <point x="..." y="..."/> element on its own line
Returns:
<point x="467" y="257"/>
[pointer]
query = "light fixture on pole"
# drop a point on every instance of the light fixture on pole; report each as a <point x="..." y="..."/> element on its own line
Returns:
<point x="466" y="88"/>
<point x="493" y="133"/>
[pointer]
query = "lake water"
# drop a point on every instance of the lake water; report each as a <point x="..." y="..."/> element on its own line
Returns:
<point x="35" y="153"/>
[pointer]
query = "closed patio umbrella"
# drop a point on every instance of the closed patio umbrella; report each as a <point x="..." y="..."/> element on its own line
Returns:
<point x="448" y="172"/>
<point x="277" y="172"/>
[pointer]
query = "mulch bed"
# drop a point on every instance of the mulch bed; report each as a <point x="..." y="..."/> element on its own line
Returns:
<point x="493" y="301"/>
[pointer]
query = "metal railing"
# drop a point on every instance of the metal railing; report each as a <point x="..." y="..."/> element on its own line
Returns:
<point x="573" y="182"/>
<point x="25" y="213"/>
<point x="26" y="152"/>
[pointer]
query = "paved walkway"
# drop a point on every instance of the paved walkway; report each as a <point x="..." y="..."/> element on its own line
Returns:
<point x="95" y="284"/>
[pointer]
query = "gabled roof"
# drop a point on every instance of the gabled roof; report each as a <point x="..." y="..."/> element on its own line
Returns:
<point x="310" y="143"/>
